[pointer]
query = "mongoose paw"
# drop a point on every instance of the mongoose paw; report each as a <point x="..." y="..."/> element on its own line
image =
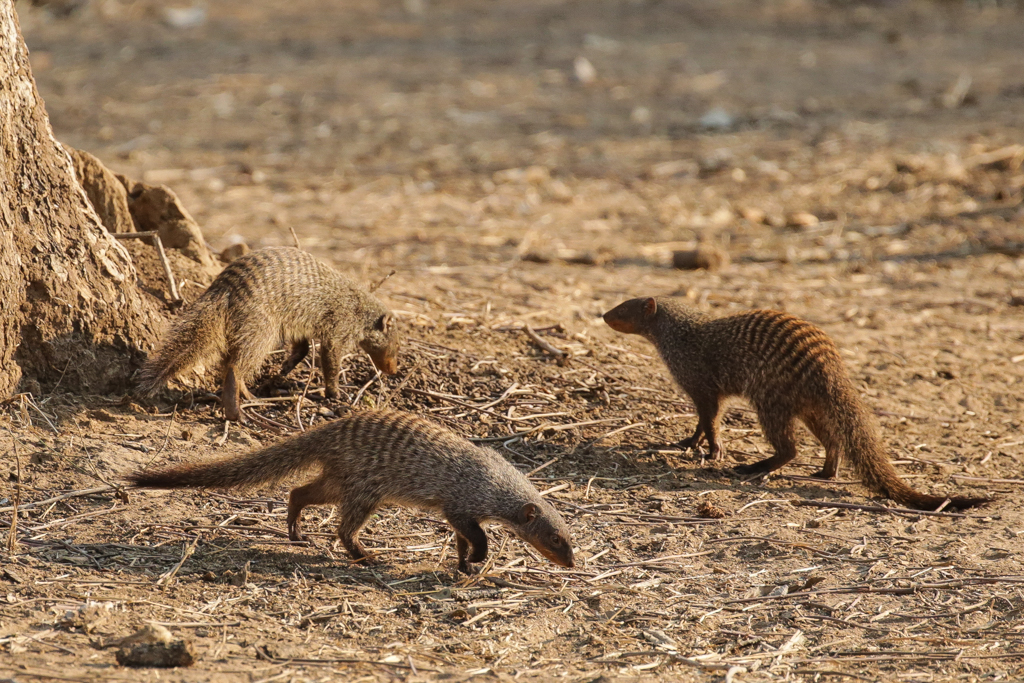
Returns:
<point x="688" y="443"/>
<point x="359" y="555"/>
<point x="752" y="470"/>
<point x="822" y="474"/>
<point x="716" y="451"/>
<point x="274" y="386"/>
<point x="367" y="561"/>
<point x="235" y="413"/>
<point x="468" y="568"/>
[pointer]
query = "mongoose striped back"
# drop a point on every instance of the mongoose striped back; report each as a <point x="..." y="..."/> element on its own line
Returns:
<point x="788" y="369"/>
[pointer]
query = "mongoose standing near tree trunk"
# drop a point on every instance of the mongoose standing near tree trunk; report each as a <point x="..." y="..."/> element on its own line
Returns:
<point x="270" y="296"/>
<point x="371" y="459"/>
<point x="788" y="369"/>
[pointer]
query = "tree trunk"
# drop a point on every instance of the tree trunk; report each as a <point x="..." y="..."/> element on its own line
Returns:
<point x="70" y="311"/>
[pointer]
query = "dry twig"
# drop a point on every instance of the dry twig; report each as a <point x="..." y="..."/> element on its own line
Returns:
<point x="64" y="496"/>
<point x="563" y="357"/>
<point x="154" y="238"/>
<point x="872" y="508"/>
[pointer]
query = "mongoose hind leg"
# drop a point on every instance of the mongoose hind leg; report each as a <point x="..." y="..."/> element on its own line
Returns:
<point x="778" y="429"/>
<point x="824" y="472"/>
<point x="299" y="351"/>
<point x="247" y="347"/>
<point x="833" y="454"/>
<point x="468" y="533"/>
<point x="314" y="493"/>
<point x="354" y="514"/>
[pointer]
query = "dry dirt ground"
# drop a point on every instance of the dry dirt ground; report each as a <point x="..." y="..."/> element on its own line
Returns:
<point x="536" y="162"/>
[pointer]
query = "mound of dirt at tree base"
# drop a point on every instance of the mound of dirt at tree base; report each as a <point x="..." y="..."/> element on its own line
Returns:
<point x="190" y="277"/>
<point x="137" y="214"/>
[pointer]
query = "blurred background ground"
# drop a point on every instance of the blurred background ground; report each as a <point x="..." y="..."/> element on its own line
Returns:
<point x="536" y="163"/>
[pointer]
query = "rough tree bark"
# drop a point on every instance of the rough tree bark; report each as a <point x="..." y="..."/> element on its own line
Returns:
<point x="70" y="310"/>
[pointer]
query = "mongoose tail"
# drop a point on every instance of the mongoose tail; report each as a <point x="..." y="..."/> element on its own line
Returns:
<point x="371" y="459"/>
<point x="788" y="369"/>
<point x="246" y="471"/>
<point x="878" y="474"/>
<point x="196" y="337"/>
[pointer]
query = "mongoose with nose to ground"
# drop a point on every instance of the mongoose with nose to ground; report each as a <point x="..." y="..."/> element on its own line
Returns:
<point x="270" y="296"/>
<point x="787" y="369"/>
<point x="370" y="459"/>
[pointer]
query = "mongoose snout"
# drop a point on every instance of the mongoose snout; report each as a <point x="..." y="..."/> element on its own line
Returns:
<point x="536" y="528"/>
<point x="623" y="317"/>
<point x="381" y="344"/>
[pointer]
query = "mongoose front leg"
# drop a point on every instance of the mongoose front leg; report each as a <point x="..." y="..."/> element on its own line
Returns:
<point x="694" y="441"/>
<point x="229" y="395"/>
<point x="314" y="493"/>
<point x="468" y="533"/>
<point x="708" y="416"/>
<point x="715" y="449"/>
<point x="330" y="364"/>
<point x="299" y="351"/>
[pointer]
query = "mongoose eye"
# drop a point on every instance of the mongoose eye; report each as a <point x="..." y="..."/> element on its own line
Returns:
<point x="556" y="540"/>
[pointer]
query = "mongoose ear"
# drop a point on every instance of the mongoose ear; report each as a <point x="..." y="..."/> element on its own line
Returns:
<point x="384" y="323"/>
<point x="650" y="307"/>
<point x="528" y="513"/>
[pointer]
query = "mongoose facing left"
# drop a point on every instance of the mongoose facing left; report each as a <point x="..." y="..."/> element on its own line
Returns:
<point x="370" y="459"/>
<point x="269" y="296"/>
<point x="788" y="369"/>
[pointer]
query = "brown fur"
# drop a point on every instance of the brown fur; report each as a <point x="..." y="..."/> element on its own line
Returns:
<point x="270" y="296"/>
<point x="376" y="458"/>
<point x="788" y="369"/>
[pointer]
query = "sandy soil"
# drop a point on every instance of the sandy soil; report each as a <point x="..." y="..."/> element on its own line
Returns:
<point x="536" y="163"/>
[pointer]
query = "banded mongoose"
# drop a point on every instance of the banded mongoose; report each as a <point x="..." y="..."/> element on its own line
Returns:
<point x="270" y="296"/>
<point x="370" y="459"/>
<point x="788" y="369"/>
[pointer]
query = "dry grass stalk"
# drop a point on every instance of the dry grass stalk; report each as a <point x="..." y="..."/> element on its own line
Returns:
<point x="12" y="530"/>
